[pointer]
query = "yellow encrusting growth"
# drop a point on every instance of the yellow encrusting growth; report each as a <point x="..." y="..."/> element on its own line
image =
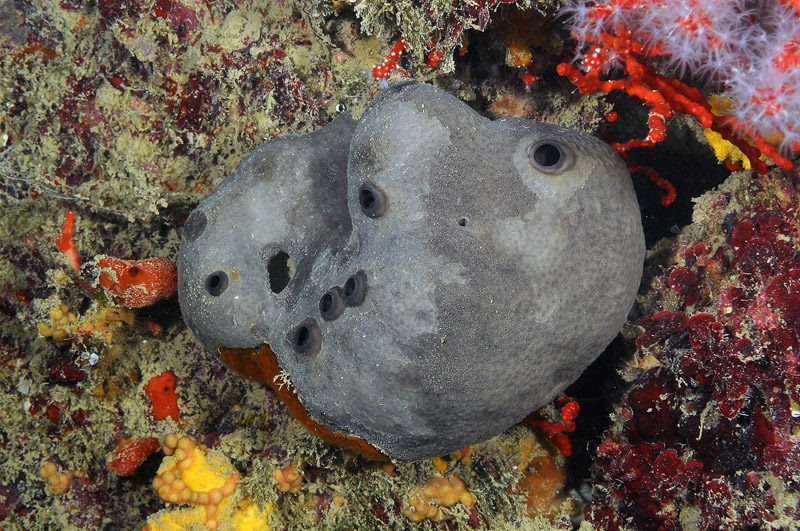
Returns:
<point x="724" y="150"/>
<point x="464" y="455"/>
<point x="428" y="500"/>
<point x="194" y="475"/>
<point x="439" y="464"/>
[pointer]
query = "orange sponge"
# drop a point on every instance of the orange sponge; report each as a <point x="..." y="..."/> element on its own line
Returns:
<point x="161" y="392"/>
<point x="138" y="283"/>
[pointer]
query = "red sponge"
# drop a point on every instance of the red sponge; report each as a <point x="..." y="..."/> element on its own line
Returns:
<point x="161" y="392"/>
<point x="138" y="283"/>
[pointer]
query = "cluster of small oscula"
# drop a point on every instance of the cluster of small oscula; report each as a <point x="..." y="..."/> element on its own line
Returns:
<point x="748" y="50"/>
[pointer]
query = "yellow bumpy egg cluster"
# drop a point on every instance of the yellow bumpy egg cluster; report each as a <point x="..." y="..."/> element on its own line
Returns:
<point x="56" y="480"/>
<point x="191" y="474"/>
<point x="100" y="322"/>
<point x="428" y="500"/>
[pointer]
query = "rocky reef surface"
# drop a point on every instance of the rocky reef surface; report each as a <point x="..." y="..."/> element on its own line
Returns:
<point x="129" y="113"/>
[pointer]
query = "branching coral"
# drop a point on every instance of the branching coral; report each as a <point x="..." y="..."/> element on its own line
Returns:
<point x="748" y="49"/>
<point x="750" y="52"/>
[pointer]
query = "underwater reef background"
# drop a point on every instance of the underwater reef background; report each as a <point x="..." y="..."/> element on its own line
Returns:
<point x="119" y="116"/>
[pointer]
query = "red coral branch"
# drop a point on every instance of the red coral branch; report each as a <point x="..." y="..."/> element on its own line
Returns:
<point x="389" y="63"/>
<point x="555" y="430"/>
<point x="664" y="96"/>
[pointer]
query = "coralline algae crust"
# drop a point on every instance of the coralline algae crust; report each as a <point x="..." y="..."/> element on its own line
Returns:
<point x="425" y="276"/>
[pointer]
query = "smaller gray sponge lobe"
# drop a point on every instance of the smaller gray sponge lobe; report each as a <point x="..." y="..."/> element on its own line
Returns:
<point x="446" y="277"/>
<point x="264" y="226"/>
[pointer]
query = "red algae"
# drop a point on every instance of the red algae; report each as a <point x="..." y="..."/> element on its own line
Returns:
<point x="708" y="431"/>
<point x="684" y="282"/>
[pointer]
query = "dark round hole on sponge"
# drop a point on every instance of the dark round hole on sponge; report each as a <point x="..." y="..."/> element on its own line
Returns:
<point x="372" y="200"/>
<point x="550" y="156"/>
<point x="195" y="225"/>
<point x="463" y="222"/>
<point x="367" y="199"/>
<point x="306" y="337"/>
<point x="279" y="270"/>
<point x="325" y="303"/>
<point x="302" y="336"/>
<point x="355" y="289"/>
<point x="216" y="283"/>
<point x="547" y="155"/>
<point x="332" y="305"/>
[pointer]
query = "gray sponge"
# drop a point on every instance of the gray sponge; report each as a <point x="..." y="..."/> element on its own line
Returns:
<point x="425" y="276"/>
